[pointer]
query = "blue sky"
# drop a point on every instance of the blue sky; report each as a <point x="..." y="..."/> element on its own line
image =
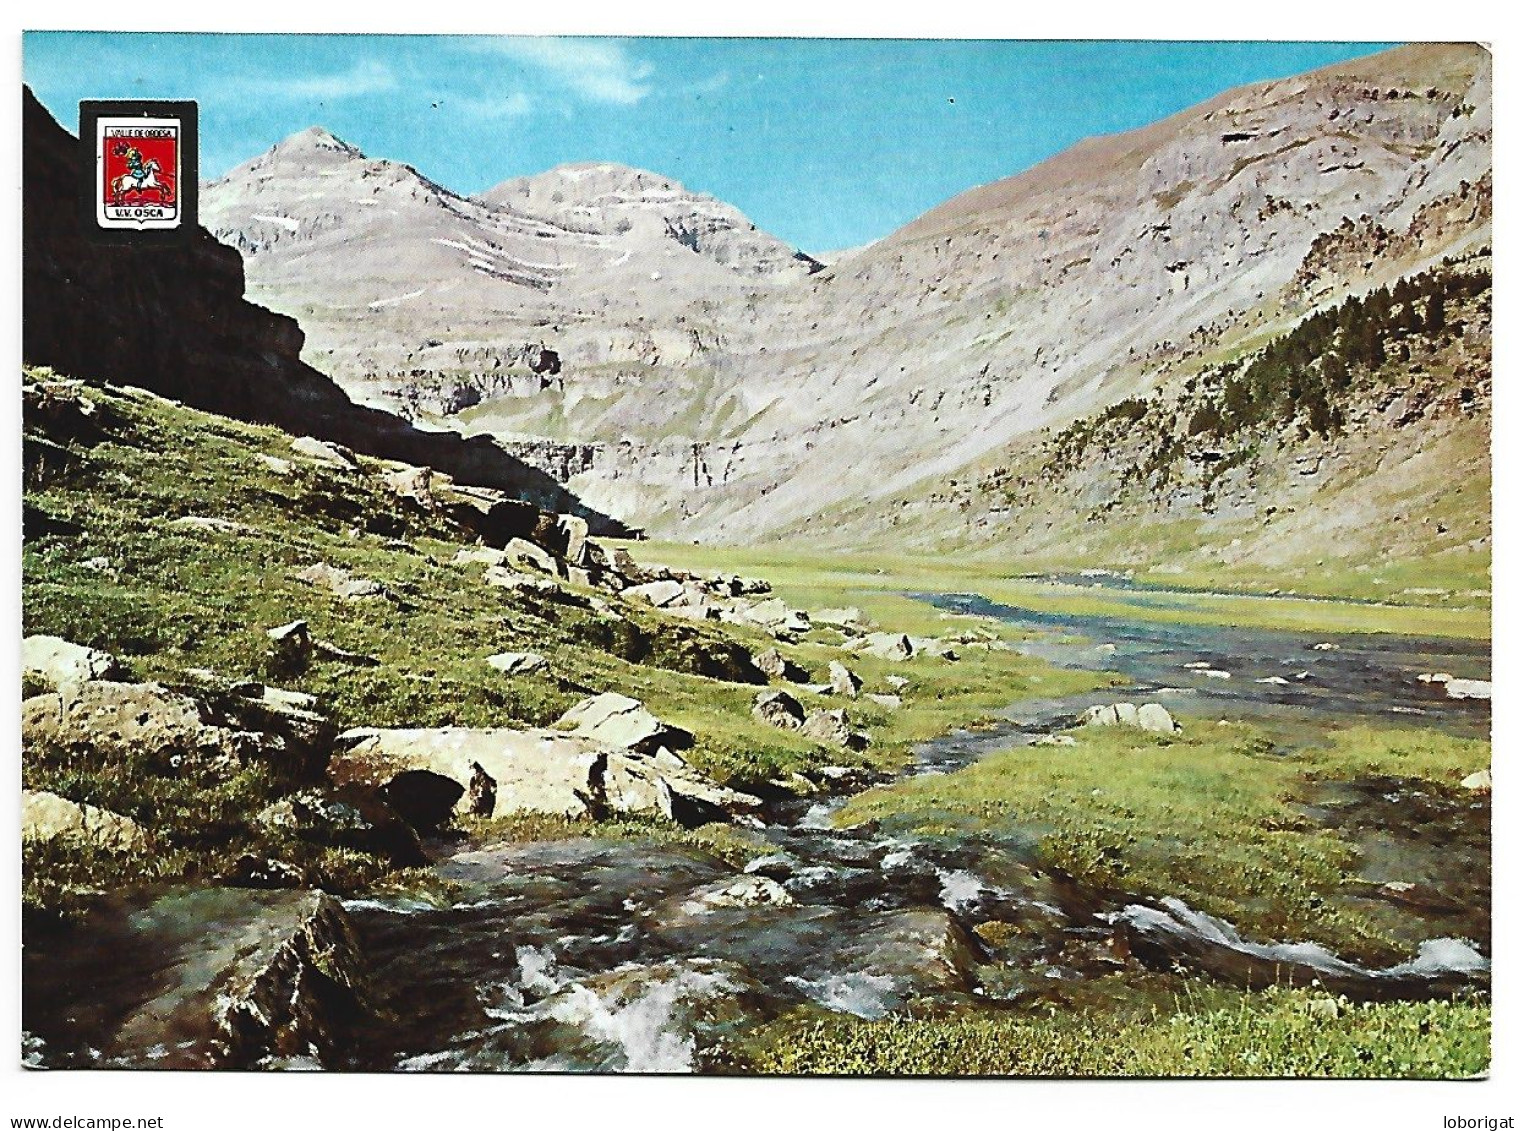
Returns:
<point x="826" y="143"/>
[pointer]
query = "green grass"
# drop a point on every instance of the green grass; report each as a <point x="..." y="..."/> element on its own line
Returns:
<point x="1204" y="816"/>
<point x="873" y="581"/>
<point x="1207" y="1031"/>
<point x="169" y="599"/>
<point x="733" y="844"/>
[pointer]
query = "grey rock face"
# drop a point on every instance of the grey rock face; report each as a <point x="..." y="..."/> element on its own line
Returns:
<point x="428" y="774"/>
<point x="616" y="259"/>
<point x="888" y="645"/>
<point x="57" y="661"/>
<point x="773" y="664"/>
<point x="834" y="728"/>
<point x="1017" y="306"/>
<point x="279" y="975"/>
<point x="844" y="681"/>
<point x="518" y="663"/>
<point x="618" y="720"/>
<point x="47" y="818"/>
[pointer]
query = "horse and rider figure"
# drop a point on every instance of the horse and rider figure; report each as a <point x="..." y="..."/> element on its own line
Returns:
<point x="141" y="176"/>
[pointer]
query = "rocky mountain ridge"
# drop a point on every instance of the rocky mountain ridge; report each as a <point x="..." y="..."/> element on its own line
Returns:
<point x="426" y="302"/>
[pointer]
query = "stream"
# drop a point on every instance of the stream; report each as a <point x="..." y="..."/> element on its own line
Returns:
<point x="620" y="955"/>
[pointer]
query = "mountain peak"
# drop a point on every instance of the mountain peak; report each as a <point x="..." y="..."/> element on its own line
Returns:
<point x="316" y="140"/>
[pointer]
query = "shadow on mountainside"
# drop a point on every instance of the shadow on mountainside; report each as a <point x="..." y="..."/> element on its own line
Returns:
<point x="174" y="320"/>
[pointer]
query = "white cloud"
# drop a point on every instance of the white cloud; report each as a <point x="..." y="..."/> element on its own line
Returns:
<point x="365" y="77"/>
<point x="597" y="70"/>
<point x="515" y="105"/>
<point x="712" y="85"/>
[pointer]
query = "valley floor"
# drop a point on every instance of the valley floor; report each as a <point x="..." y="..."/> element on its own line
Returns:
<point x="979" y="889"/>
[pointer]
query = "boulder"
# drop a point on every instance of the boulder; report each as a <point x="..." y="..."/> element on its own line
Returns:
<point x="574" y="531"/>
<point x="664" y="785"/>
<point x="348" y="817"/>
<point x="262" y="976"/>
<point x="618" y="721"/>
<point x="774" y="615"/>
<point x="1055" y="740"/>
<point x="888" y="646"/>
<point x="340" y="582"/>
<point x="1469" y="689"/>
<point x="426" y="774"/>
<point x="779" y="709"/>
<point x="898" y="682"/>
<point x="776" y="866"/>
<point x="56" y="661"/>
<point x="520" y="582"/>
<point x="657" y="593"/>
<point x="624" y="565"/>
<point x="47" y="818"/>
<point x="1150" y="717"/>
<point x="910" y="952"/>
<point x="490" y="515"/>
<point x="335" y="455"/>
<point x="149" y="720"/>
<point x="850" y="619"/>
<point x="832" y="727"/>
<point x="481" y="555"/>
<point x="775" y="665"/>
<point x="744" y="891"/>
<point x="416" y="484"/>
<point x="518" y="663"/>
<point x="844" y="681"/>
<point x="1110" y="715"/>
<point x="1481" y="780"/>
<point x="117" y="719"/>
<point x="526" y="554"/>
<point x="888" y="702"/>
<point x="306" y="734"/>
<point x="1153" y="717"/>
<point x="694" y="593"/>
<point x="932" y="646"/>
<point x="291" y="646"/>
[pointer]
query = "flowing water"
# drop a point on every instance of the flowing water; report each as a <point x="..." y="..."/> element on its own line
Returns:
<point x="596" y="954"/>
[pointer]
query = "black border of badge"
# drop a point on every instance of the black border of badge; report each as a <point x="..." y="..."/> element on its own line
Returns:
<point x="188" y="186"/>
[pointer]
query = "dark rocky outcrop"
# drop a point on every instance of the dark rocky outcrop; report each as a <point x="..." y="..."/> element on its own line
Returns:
<point x="174" y="320"/>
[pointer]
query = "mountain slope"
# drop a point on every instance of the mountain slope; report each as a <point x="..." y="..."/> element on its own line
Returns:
<point x="418" y="299"/>
<point x="1351" y="455"/>
<point x="1123" y="265"/>
<point x="1103" y="273"/>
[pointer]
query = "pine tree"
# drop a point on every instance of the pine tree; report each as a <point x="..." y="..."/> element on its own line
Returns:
<point x="1434" y="313"/>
